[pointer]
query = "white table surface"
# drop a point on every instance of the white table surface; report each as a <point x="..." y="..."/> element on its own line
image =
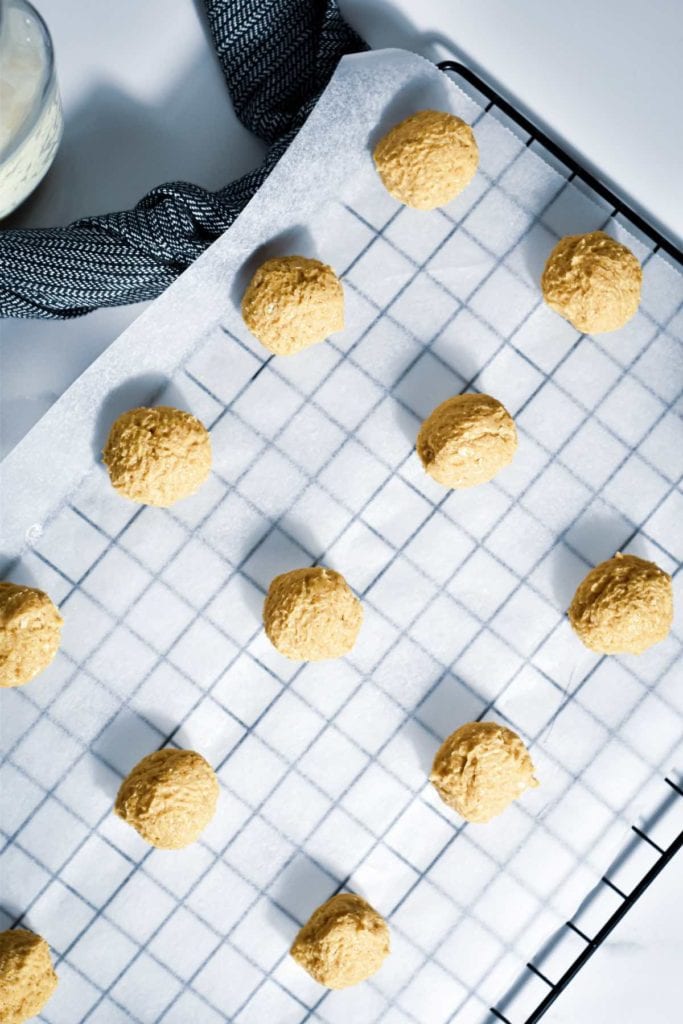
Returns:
<point x="145" y="102"/>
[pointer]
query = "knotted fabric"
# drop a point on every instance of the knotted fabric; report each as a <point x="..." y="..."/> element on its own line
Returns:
<point x="277" y="57"/>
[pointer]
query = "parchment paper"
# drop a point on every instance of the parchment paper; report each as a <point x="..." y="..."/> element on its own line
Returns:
<point x="323" y="767"/>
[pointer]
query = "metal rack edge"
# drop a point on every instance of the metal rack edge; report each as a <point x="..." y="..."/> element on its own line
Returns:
<point x="660" y="240"/>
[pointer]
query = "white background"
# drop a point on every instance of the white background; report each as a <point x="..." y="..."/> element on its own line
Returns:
<point x="145" y="102"/>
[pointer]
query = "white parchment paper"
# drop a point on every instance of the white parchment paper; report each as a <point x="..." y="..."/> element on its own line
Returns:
<point x="323" y="767"/>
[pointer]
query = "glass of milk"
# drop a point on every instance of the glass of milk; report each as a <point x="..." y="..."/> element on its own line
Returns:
<point x="30" y="109"/>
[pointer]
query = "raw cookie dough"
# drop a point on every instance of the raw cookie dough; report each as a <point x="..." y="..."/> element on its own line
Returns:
<point x="293" y="302"/>
<point x="428" y="159"/>
<point x="169" y="798"/>
<point x="480" y="769"/>
<point x="27" y="979"/>
<point x="623" y="606"/>
<point x="343" y="942"/>
<point x="312" y="614"/>
<point x="30" y="632"/>
<point x="467" y="440"/>
<point x="157" y="456"/>
<point x="592" y="281"/>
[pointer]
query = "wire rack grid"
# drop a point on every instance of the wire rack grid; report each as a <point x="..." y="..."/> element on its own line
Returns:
<point x="323" y="769"/>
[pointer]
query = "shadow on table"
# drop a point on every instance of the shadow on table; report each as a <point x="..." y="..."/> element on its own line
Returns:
<point x="125" y="741"/>
<point x="14" y="570"/>
<point x="12" y="915"/>
<point x="117" y="147"/>
<point x="595" y="538"/>
<point x="422" y="392"/>
<point x="288" y="543"/>
<point x="447" y="706"/>
<point x="301" y="887"/>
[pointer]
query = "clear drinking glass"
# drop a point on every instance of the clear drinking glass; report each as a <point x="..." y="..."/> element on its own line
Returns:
<point x="30" y="109"/>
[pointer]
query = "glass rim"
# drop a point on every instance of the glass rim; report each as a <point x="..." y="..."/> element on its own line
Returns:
<point x="49" y="77"/>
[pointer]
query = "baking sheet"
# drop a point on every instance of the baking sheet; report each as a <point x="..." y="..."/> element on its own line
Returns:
<point x="323" y="767"/>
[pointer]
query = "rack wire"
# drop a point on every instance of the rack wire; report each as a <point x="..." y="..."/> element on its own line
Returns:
<point x="665" y="855"/>
<point x="628" y="900"/>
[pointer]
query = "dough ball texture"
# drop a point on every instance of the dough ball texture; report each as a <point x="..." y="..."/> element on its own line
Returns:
<point x="27" y="979"/>
<point x="480" y="769"/>
<point x="592" y="281"/>
<point x="169" y="798"/>
<point x="293" y="302"/>
<point x="428" y="159"/>
<point x="157" y="456"/>
<point x="623" y="606"/>
<point x="466" y="440"/>
<point x="344" y="942"/>
<point x="312" y="614"/>
<point x="30" y="633"/>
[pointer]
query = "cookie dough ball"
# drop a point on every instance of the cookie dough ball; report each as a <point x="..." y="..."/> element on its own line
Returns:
<point x="467" y="440"/>
<point x="623" y="606"/>
<point x="157" y="456"/>
<point x="428" y="159"/>
<point x="293" y="302"/>
<point x="169" y="798"/>
<point x="27" y="979"/>
<point x="480" y="769"/>
<point x="30" y="632"/>
<point x="592" y="281"/>
<point x="312" y="614"/>
<point x="344" y="942"/>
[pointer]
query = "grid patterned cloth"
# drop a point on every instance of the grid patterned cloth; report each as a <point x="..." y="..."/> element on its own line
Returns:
<point x="323" y="767"/>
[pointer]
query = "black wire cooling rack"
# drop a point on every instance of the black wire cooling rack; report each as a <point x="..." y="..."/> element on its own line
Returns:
<point x="591" y="944"/>
<point x="664" y="854"/>
<point x="577" y="170"/>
